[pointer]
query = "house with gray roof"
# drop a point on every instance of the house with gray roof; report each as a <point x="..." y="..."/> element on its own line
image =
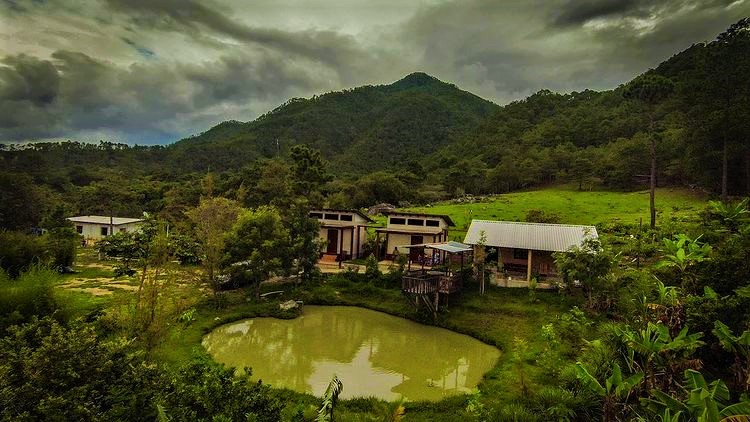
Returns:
<point x="527" y="248"/>
<point x="96" y="227"/>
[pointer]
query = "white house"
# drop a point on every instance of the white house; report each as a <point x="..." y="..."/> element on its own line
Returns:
<point x="97" y="227"/>
<point x="408" y="228"/>
<point x="343" y="231"/>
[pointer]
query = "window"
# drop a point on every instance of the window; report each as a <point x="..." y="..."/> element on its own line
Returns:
<point x="415" y="222"/>
<point x="104" y="231"/>
<point x="346" y="217"/>
<point x="79" y="229"/>
<point x="520" y="253"/>
<point x="398" y="220"/>
<point x="331" y="217"/>
<point x="316" y="215"/>
<point x="432" y="223"/>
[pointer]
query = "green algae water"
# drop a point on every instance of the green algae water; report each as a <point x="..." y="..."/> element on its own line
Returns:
<point x="374" y="354"/>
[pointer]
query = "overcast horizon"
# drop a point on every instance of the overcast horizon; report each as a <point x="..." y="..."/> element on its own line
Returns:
<point x="153" y="72"/>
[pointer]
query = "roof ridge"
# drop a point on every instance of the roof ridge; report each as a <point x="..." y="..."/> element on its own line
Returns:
<point x="530" y="223"/>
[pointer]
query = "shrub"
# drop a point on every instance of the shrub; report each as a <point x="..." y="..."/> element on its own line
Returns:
<point x="18" y="251"/>
<point x="27" y="296"/>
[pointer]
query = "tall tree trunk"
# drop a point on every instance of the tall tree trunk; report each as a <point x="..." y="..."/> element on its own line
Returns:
<point x="747" y="172"/>
<point x="652" y="192"/>
<point x="724" y="171"/>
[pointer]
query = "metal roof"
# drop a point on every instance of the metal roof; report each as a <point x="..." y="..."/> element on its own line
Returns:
<point x="447" y="218"/>
<point x="536" y="236"/>
<point x="103" y="220"/>
<point x="450" y="247"/>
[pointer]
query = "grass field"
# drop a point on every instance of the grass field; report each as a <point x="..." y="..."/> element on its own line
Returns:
<point x="572" y="206"/>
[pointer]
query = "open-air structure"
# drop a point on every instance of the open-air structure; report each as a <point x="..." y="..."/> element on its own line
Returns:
<point x="527" y="248"/>
<point x="427" y="282"/>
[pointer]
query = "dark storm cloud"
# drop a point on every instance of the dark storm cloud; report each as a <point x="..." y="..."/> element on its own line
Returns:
<point x="576" y="12"/>
<point x="143" y="51"/>
<point x="341" y="52"/>
<point x="157" y="70"/>
<point x="73" y="92"/>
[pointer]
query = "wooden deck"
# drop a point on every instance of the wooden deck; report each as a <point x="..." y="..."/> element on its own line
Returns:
<point x="423" y="288"/>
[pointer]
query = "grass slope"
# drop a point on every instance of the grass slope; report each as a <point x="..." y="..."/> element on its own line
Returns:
<point x="572" y="206"/>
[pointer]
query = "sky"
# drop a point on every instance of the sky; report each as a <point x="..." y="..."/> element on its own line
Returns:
<point x="155" y="71"/>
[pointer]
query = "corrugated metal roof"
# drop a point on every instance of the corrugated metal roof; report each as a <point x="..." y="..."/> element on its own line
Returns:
<point x="450" y="247"/>
<point x="536" y="236"/>
<point x="104" y="220"/>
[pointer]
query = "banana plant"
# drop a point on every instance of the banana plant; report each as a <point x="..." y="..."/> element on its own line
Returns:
<point x="682" y="252"/>
<point x="330" y="398"/>
<point x="654" y="349"/>
<point x="740" y="346"/>
<point x="705" y="402"/>
<point x="614" y="393"/>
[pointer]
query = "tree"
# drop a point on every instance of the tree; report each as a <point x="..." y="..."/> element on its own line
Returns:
<point x="213" y="218"/>
<point x="650" y="90"/>
<point x="590" y="264"/>
<point x="303" y="237"/>
<point x="309" y="169"/>
<point x="257" y="247"/>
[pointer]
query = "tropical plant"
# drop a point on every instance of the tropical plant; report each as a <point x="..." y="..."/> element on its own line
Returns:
<point x="740" y="347"/>
<point x="657" y="354"/>
<point x="705" y="402"/>
<point x="330" y="398"/>
<point x="615" y="393"/>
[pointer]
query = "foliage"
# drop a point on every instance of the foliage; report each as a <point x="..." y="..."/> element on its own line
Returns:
<point x="213" y="218"/>
<point x="19" y="251"/>
<point x="52" y="372"/>
<point x="330" y="398"/>
<point x="615" y="392"/>
<point x="202" y="390"/>
<point x="706" y="402"/>
<point x="591" y="265"/>
<point x="257" y="247"/>
<point x="29" y="295"/>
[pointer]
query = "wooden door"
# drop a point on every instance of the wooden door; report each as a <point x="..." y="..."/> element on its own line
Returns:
<point x="333" y="241"/>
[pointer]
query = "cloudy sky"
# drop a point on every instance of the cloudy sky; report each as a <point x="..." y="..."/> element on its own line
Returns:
<point x="153" y="71"/>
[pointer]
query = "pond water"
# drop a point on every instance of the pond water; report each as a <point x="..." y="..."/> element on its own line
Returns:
<point x="374" y="354"/>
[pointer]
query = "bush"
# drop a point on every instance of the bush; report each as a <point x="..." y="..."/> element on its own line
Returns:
<point x="19" y="251"/>
<point x="27" y="296"/>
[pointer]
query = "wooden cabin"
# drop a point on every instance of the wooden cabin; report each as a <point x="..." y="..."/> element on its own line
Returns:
<point x="406" y="229"/>
<point x="344" y="233"/>
<point x="525" y="249"/>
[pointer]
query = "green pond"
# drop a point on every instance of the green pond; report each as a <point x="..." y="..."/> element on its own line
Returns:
<point x="374" y="354"/>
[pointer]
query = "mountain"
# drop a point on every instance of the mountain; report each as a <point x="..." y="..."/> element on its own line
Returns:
<point x="359" y="130"/>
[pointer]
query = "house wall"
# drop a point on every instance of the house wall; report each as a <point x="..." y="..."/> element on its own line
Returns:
<point x="349" y="247"/>
<point x="542" y="262"/>
<point x="92" y="232"/>
<point x="402" y="239"/>
<point x="391" y="225"/>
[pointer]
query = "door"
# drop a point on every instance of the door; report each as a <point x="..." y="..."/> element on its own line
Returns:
<point x="333" y="241"/>
<point x="415" y="252"/>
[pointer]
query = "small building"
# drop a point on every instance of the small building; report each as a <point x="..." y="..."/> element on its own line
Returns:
<point x="526" y="248"/>
<point x="408" y="228"/>
<point x="344" y="233"/>
<point x="97" y="227"/>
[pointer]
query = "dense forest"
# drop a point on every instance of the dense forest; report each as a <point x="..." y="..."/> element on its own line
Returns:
<point x="420" y="139"/>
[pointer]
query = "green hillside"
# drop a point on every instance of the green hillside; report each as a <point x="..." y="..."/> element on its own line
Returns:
<point x="572" y="206"/>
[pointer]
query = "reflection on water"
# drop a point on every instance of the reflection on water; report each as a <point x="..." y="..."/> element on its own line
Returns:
<point x="374" y="354"/>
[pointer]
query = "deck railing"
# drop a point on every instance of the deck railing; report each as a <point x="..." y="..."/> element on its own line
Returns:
<point x="419" y="282"/>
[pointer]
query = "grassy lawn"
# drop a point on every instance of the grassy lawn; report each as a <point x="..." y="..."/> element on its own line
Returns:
<point x="572" y="206"/>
